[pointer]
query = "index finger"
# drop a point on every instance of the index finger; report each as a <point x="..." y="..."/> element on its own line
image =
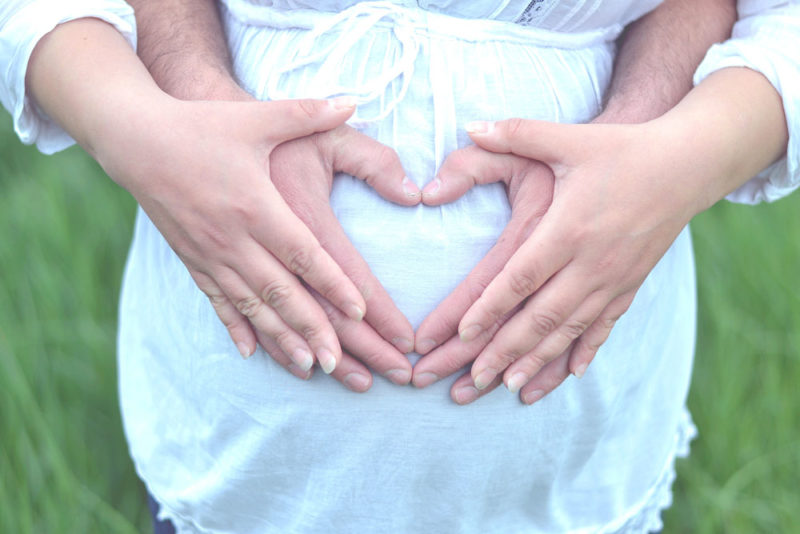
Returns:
<point x="290" y="240"/>
<point x="541" y="256"/>
<point x="539" y="140"/>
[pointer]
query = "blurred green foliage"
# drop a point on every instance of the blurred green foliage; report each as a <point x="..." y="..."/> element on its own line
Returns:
<point x="64" y="467"/>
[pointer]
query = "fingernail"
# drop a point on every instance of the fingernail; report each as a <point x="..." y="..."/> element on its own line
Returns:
<point x="355" y="312"/>
<point x="343" y="102"/>
<point x="425" y="346"/>
<point x="410" y="188"/>
<point x="580" y="370"/>
<point x="466" y="394"/>
<point x="303" y="359"/>
<point x="400" y="377"/>
<point x="479" y="127"/>
<point x="470" y="333"/>
<point x="299" y="373"/>
<point x="484" y="378"/>
<point x="516" y="382"/>
<point x="326" y="360"/>
<point x="403" y="344"/>
<point x="356" y="382"/>
<point x="433" y="186"/>
<point x="244" y="350"/>
<point x="425" y="379"/>
<point x="533" y="396"/>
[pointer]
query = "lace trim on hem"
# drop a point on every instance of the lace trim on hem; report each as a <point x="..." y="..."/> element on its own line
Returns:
<point x="644" y="517"/>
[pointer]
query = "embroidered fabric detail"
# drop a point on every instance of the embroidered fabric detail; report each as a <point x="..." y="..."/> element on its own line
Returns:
<point x="535" y="12"/>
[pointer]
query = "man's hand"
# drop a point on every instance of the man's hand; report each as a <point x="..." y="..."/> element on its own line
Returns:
<point x="617" y="207"/>
<point x="303" y="170"/>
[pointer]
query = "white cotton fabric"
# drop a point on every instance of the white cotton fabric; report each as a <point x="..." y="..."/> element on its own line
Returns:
<point x="233" y="446"/>
<point x="244" y="447"/>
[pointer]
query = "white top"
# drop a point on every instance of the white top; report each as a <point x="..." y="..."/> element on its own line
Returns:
<point x="235" y="446"/>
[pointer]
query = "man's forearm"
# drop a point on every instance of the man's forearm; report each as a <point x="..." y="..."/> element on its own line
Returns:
<point x="658" y="56"/>
<point x="182" y="44"/>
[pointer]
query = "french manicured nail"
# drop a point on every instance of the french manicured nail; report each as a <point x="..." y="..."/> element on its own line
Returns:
<point x="399" y="376"/>
<point x="355" y="312"/>
<point x="425" y="379"/>
<point x="410" y="188"/>
<point x="433" y="187"/>
<point x="533" y="396"/>
<point x="470" y="333"/>
<point x="425" y="346"/>
<point x="299" y="373"/>
<point x="303" y="359"/>
<point x="403" y="344"/>
<point x="516" y="382"/>
<point x="244" y="350"/>
<point x="343" y="102"/>
<point x="479" y="127"/>
<point x="326" y="360"/>
<point x="485" y="378"/>
<point x="466" y="394"/>
<point x="356" y="382"/>
<point x="580" y="370"/>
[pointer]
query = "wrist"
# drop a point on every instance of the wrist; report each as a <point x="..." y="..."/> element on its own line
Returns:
<point x="203" y="82"/>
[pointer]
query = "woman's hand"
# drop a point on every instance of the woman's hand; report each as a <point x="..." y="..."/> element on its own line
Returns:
<point x="622" y="194"/>
<point x="201" y="171"/>
<point x="559" y="287"/>
<point x="530" y="188"/>
<point x="617" y="207"/>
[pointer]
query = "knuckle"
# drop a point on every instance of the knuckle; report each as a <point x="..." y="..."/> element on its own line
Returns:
<point x="573" y="328"/>
<point x="386" y="158"/>
<point x="217" y="300"/>
<point x="249" y="306"/>
<point x="476" y="287"/>
<point x="312" y="330"/>
<point x="276" y="294"/>
<point x="458" y="162"/>
<point x="506" y="357"/>
<point x="545" y="322"/>
<point x="521" y="283"/>
<point x="591" y="345"/>
<point x="307" y="108"/>
<point x="300" y="261"/>
<point x="607" y="323"/>
<point x="535" y="361"/>
<point x="283" y="338"/>
<point x="515" y="126"/>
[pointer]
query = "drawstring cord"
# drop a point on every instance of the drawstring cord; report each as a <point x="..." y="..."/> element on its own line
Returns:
<point x="351" y="26"/>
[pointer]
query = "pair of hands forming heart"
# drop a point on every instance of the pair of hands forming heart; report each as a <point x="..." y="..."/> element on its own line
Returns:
<point x="593" y="211"/>
<point x="375" y="341"/>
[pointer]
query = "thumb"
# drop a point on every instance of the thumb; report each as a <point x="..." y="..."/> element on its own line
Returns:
<point x="290" y="119"/>
<point x="467" y="167"/>
<point x="539" y="140"/>
<point x="365" y="158"/>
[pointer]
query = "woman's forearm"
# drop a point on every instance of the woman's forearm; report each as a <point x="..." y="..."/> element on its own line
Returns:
<point x="727" y="129"/>
<point x="85" y="76"/>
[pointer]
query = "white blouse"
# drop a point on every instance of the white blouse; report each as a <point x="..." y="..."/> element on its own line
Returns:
<point x="234" y="446"/>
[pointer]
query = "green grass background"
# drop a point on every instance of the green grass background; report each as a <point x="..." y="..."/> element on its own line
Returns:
<point x="64" y="232"/>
